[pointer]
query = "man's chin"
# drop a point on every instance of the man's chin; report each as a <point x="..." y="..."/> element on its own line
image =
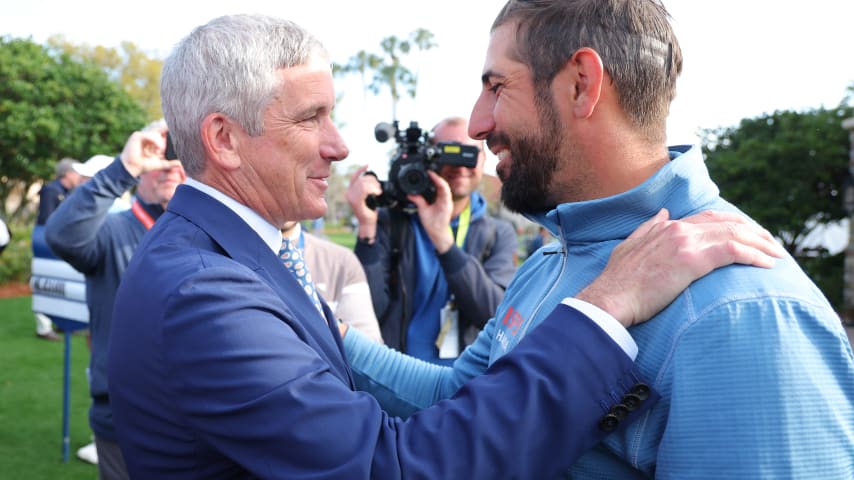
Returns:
<point x="519" y="200"/>
<point x="317" y="210"/>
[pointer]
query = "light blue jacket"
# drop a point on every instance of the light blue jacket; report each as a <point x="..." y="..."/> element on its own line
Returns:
<point x="755" y="370"/>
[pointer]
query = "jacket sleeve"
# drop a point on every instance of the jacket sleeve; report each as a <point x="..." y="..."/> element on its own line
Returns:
<point x="49" y="201"/>
<point x="404" y="384"/>
<point x="478" y="287"/>
<point x="264" y="399"/>
<point x="72" y="231"/>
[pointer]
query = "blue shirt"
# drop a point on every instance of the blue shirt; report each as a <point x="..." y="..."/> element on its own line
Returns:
<point x="755" y="370"/>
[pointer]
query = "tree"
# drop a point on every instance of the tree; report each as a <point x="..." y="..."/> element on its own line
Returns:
<point x="788" y="170"/>
<point x="338" y="210"/>
<point x="388" y="68"/>
<point x="128" y="66"/>
<point x="848" y="274"/>
<point x="51" y="107"/>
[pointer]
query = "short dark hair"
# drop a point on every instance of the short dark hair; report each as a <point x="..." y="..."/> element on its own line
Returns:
<point x="634" y="38"/>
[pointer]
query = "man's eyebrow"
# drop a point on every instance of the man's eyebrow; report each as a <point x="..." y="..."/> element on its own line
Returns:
<point x="310" y="109"/>
<point x="487" y="75"/>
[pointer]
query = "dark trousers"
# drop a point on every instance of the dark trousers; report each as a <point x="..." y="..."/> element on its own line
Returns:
<point x="111" y="463"/>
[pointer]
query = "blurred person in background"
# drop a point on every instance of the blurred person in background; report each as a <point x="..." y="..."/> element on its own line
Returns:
<point x="100" y="244"/>
<point x="455" y="259"/>
<point x="51" y="196"/>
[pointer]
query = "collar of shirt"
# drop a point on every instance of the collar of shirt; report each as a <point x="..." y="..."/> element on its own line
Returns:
<point x="295" y="233"/>
<point x="269" y="233"/>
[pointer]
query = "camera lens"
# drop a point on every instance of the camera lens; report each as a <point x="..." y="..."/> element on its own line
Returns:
<point x="413" y="179"/>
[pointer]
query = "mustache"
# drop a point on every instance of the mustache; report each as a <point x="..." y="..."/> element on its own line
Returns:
<point x="497" y="138"/>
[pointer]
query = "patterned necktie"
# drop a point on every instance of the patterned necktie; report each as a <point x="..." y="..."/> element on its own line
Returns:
<point x="293" y="260"/>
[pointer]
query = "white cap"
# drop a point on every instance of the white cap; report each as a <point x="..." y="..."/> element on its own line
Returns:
<point x="93" y="165"/>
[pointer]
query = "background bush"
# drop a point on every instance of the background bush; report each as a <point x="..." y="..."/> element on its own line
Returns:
<point x="16" y="259"/>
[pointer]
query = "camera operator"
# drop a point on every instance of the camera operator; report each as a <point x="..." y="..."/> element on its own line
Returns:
<point x="437" y="276"/>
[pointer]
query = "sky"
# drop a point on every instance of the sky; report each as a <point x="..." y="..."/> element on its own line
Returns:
<point x="742" y="58"/>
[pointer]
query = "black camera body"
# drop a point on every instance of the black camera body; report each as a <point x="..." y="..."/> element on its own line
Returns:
<point x="415" y="156"/>
<point x="170" y="148"/>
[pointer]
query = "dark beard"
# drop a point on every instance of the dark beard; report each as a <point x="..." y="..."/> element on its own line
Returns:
<point x="535" y="162"/>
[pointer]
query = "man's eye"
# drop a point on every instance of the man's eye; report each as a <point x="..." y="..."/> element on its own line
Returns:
<point x="495" y="88"/>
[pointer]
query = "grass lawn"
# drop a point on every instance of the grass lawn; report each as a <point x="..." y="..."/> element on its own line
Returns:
<point x="342" y="237"/>
<point x="31" y="399"/>
<point x="31" y="378"/>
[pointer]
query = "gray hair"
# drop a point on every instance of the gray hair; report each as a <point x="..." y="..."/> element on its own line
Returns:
<point x="64" y="166"/>
<point x="229" y="65"/>
<point x="634" y="38"/>
<point x="155" y="126"/>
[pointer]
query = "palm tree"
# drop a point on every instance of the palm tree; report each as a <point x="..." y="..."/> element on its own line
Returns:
<point x="388" y="67"/>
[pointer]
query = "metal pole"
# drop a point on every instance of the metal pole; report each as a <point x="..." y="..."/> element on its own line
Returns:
<point x="66" y="389"/>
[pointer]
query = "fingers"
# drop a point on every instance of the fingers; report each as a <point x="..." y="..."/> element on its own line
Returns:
<point x="440" y="183"/>
<point x="362" y="185"/>
<point x="712" y="245"/>
<point x="358" y="173"/>
<point x="745" y="244"/>
<point x="173" y="164"/>
<point x="419" y="201"/>
<point x="735" y="252"/>
<point x="170" y="164"/>
<point x="662" y="257"/>
<point x="141" y="150"/>
<point x="646" y="226"/>
<point x="712" y="216"/>
<point x="153" y="143"/>
<point x="443" y="192"/>
<point x="720" y="227"/>
<point x="435" y="217"/>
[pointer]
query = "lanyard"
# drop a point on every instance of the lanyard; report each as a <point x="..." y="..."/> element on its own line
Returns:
<point x="141" y="215"/>
<point x="462" y="226"/>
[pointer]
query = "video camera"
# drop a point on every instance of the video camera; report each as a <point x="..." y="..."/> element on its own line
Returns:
<point x="408" y="167"/>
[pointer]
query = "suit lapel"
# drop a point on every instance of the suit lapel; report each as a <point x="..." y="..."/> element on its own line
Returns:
<point x="244" y="246"/>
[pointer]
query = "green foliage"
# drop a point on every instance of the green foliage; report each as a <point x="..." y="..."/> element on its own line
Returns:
<point x="128" y="65"/>
<point x="789" y="171"/>
<point x="51" y="107"/>
<point x="16" y="259"/>
<point x="31" y="399"/>
<point x="827" y="272"/>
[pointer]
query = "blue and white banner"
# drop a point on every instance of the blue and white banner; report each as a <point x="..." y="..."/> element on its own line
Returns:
<point x="59" y="291"/>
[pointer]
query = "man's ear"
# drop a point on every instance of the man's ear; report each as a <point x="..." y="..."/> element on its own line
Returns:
<point x="588" y="73"/>
<point x="220" y="141"/>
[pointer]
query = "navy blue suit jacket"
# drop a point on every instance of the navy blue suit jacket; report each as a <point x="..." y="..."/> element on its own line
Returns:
<point x="220" y="367"/>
